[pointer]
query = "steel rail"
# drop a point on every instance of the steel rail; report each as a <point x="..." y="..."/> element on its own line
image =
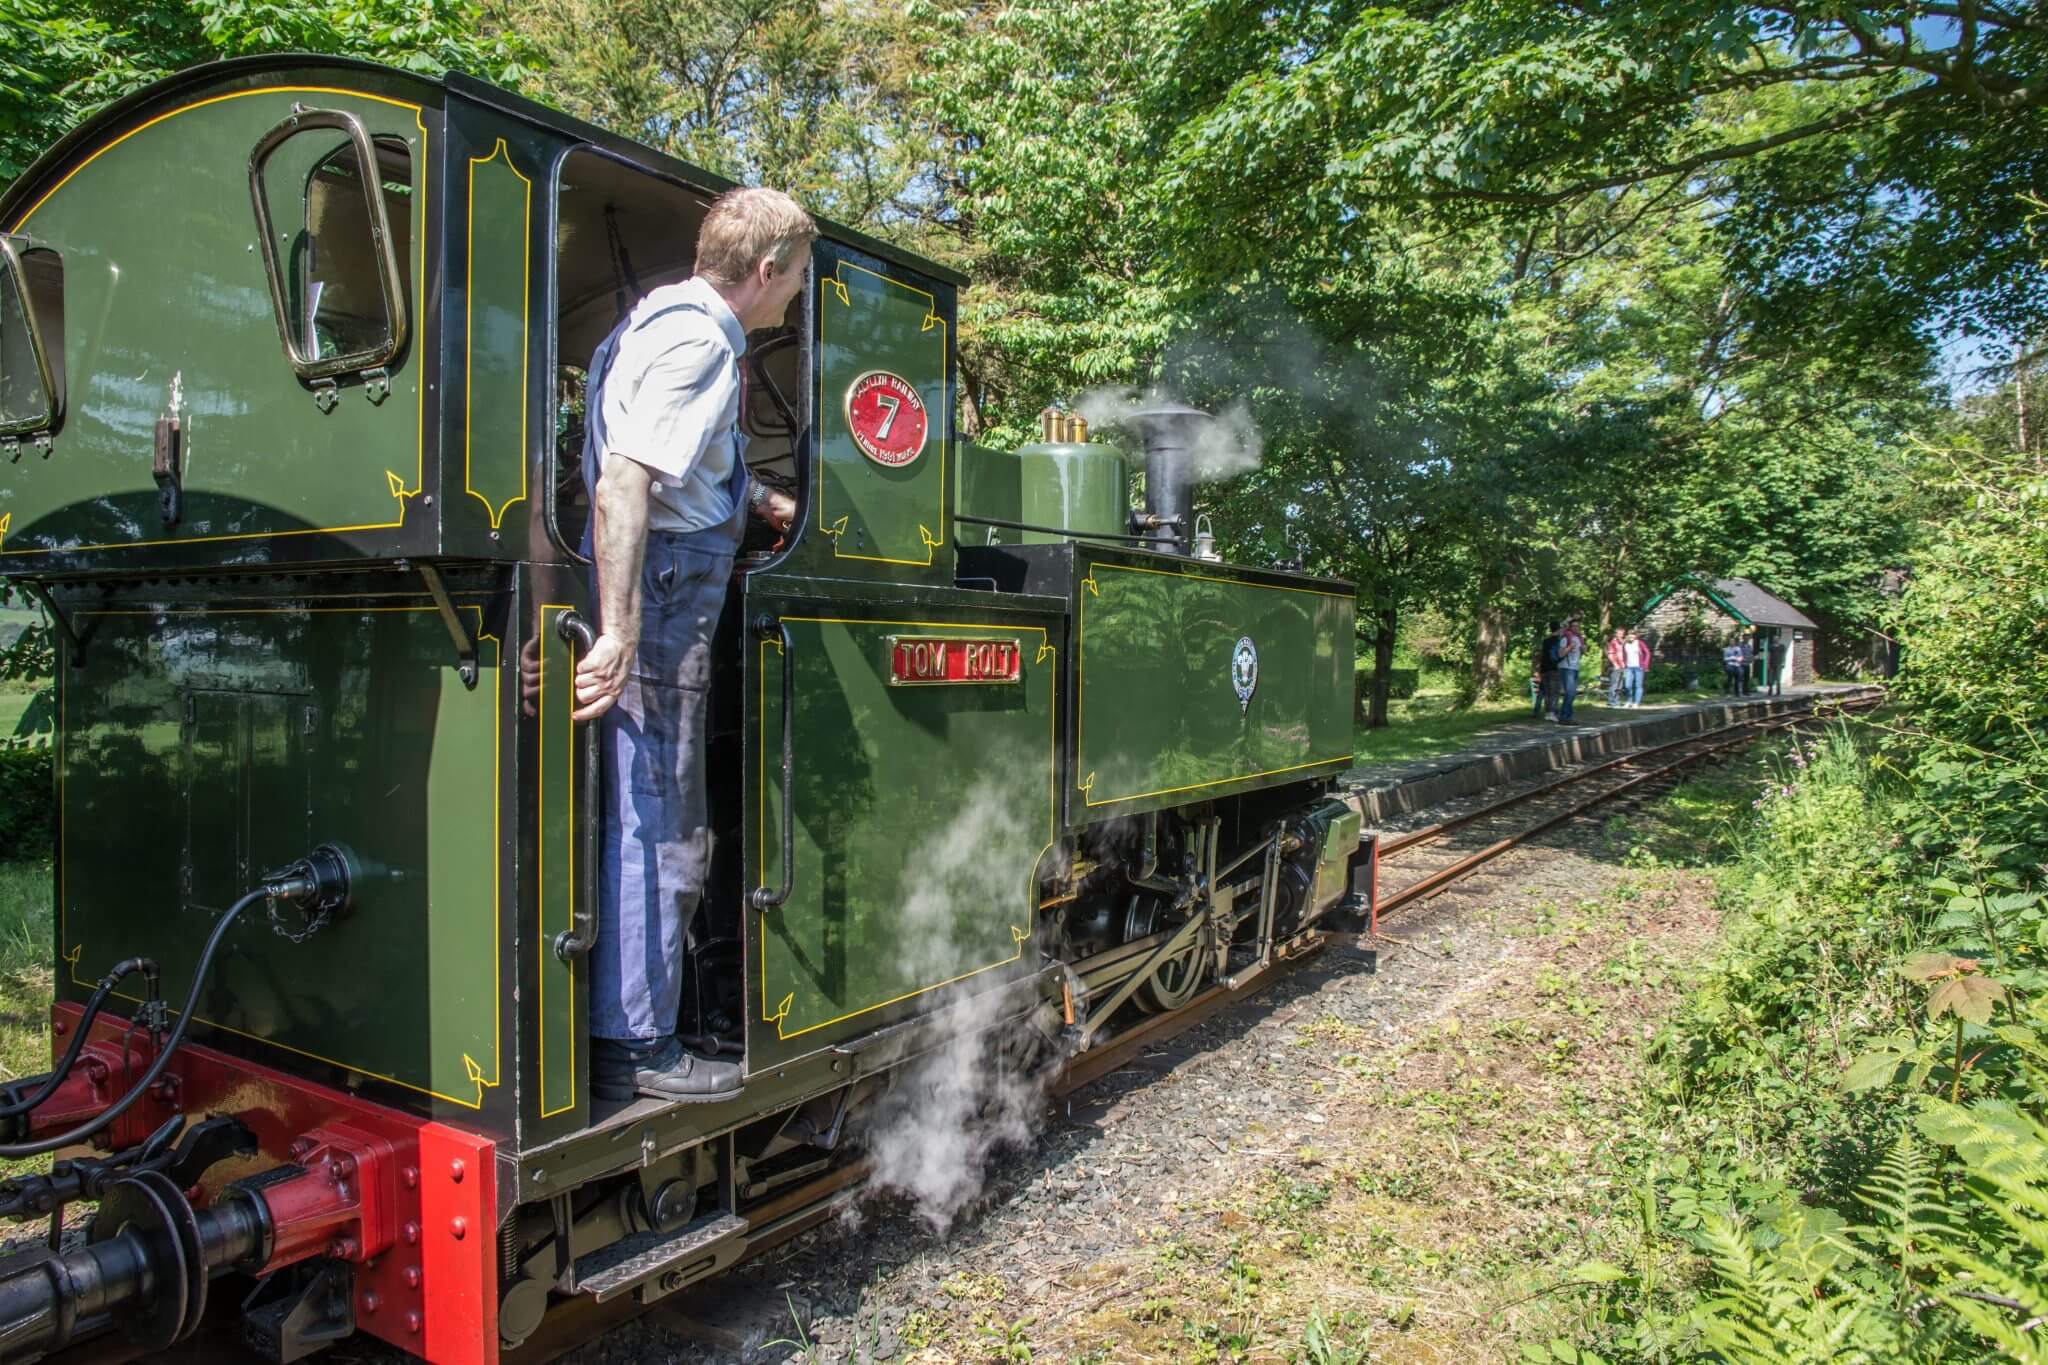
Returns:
<point x="1390" y="847"/>
<point x="1442" y="877"/>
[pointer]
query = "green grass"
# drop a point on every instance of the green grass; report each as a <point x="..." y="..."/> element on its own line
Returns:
<point x="25" y="981"/>
<point x="12" y="704"/>
<point x="1430" y="722"/>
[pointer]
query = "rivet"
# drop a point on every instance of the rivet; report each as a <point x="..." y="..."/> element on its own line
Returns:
<point x="59" y="1027"/>
<point x="371" y="1301"/>
<point x="411" y="1176"/>
<point x="459" y="1226"/>
<point x="412" y="1277"/>
<point x="413" y="1321"/>
<point x="456" y="1170"/>
<point x="412" y="1232"/>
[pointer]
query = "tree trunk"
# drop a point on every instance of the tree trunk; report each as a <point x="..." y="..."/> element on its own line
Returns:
<point x="1489" y="639"/>
<point x="1382" y="666"/>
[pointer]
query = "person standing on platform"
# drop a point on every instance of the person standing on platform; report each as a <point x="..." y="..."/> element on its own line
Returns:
<point x="1774" y="664"/>
<point x="1617" y="665"/>
<point x="1571" y="652"/>
<point x="1731" y="669"/>
<point x="1546" y="673"/>
<point x="1635" y="661"/>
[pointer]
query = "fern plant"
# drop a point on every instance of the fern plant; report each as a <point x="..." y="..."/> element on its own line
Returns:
<point x="1815" y="1287"/>
<point x="1951" y="1263"/>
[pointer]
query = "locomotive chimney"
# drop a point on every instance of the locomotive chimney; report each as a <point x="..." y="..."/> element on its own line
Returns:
<point x="1167" y="430"/>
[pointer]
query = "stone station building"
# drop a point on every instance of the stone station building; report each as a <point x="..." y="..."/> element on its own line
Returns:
<point x="1690" y="619"/>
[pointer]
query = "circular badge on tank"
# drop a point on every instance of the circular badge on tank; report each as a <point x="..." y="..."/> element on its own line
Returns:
<point x="886" y="414"/>
<point x="1244" y="671"/>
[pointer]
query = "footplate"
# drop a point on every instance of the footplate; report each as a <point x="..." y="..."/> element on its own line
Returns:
<point x="663" y="1262"/>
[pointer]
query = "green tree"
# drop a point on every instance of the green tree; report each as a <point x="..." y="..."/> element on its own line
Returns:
<point x="62" y="59"/>
<point x="1886" y="143"/>
<point x="804" y="95"/>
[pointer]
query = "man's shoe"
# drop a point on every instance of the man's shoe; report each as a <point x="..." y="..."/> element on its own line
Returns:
<point x="660" y="1069"/>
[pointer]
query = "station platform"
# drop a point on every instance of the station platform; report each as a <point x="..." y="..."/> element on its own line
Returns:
<point x="1525" y="748"/>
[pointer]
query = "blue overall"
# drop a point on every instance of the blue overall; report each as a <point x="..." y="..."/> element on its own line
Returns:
<point x="655" y="847"/>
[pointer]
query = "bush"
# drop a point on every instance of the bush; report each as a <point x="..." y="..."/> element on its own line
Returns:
<point x="27" y="801"/>
<point x="1664" y="678"/>
<point x="1974" y="618"/>
<point x="1852" y="1108"/>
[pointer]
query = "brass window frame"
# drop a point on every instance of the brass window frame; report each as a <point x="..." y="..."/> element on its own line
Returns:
<point x="303" y="120"/>
<point x="50" y="372"/>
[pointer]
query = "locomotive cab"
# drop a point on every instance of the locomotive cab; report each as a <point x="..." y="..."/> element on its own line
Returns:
<point x="622" y="231"/>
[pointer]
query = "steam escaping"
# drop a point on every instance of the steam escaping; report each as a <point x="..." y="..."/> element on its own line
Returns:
<point x="1224" y="447"/>
<point x="981" y="1088"/>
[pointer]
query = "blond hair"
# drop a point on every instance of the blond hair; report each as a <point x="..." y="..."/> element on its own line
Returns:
<point x="747" y="225"/>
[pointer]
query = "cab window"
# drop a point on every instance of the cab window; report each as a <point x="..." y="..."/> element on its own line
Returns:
<point x="31" y="337"/>
<point x="334" y="210"/>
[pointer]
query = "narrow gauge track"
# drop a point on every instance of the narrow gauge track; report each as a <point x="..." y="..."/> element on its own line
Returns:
<point x="1637" y="774"/>
<point x="1497" y="826"/>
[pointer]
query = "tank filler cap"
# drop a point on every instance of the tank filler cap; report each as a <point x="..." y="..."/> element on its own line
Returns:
<point x="1056" y="427"/>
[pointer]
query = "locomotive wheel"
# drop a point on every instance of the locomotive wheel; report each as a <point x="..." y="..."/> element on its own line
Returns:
<point x="1176" y="980"/>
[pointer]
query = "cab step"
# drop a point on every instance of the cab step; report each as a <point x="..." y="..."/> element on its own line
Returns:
<point x="662" y="1262"/>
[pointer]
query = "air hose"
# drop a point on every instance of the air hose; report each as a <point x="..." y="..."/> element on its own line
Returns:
<point x="15" y="1151"/>
<point x="93" y="1005"/>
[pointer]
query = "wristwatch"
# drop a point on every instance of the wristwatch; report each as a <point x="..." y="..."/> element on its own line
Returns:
<point x="757" y="496"/>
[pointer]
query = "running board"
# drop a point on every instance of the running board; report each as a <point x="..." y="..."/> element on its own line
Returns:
<point x="662" y="1262"/>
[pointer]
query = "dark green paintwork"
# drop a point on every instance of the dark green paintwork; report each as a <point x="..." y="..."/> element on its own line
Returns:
<point x="200" y="747"/>
<point x="165" y="293"/>
<point x="868" y="517"/>
<point x="1076" y="487"/>
<point x="920" y="814"/>
<point x="987" y="483"/>
<point x="499" y="327"/>
<point x="1157" y="722"/>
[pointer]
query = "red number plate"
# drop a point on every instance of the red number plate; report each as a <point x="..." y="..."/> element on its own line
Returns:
<point x="915" y="659"/>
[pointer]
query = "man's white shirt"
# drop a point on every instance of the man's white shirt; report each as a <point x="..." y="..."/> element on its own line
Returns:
<point x="671" y="401"/>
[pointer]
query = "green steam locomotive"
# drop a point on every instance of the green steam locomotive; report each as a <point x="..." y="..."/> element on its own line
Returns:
<point x="289" y="385"/>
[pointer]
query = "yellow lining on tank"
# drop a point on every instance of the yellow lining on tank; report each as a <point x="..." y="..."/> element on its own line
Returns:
<point x="933" y="540"/>
<point x="1019" y="936"/>
<point x="497" y="746"/>
<point x="1087" y="785"/>
<point x="422" y="176"/>
<point x="497" y="514"/>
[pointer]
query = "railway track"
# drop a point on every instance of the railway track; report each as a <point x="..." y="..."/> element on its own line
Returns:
<point x="1434" y="856"/>
<point x="1411" y="866"/>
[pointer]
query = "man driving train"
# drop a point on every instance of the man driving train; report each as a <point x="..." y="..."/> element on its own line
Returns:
<point x="664" y="455"/>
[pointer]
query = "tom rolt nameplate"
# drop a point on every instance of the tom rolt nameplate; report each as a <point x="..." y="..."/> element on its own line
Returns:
<point x="922" y="659"/>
